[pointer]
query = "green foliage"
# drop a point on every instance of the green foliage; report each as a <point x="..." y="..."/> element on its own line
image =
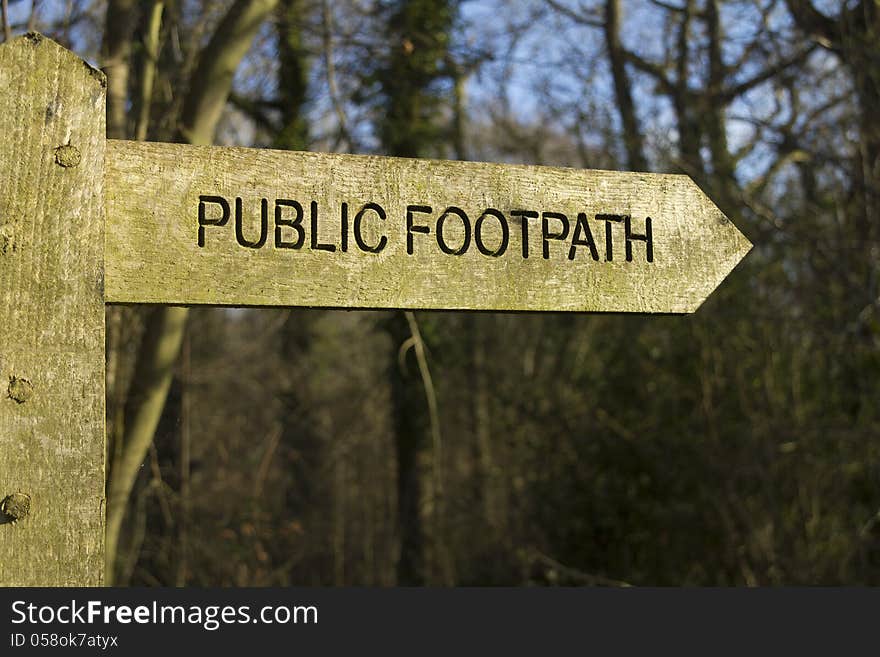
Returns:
<point x="412" y="75"/>
<point x="293" y="76"/>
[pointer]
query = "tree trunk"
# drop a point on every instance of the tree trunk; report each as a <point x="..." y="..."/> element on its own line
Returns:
<point x="209" y="90"/>
<point x="408" y="421"/>
<point x="632" y="135"/>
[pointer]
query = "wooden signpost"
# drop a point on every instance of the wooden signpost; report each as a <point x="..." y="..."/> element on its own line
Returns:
<point x="86" y="221"/>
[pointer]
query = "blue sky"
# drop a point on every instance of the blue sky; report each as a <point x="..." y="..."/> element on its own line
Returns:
<point x="555" y="58"/>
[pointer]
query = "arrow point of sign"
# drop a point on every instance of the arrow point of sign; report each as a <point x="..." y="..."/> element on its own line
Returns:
<point x="724" y="250"/>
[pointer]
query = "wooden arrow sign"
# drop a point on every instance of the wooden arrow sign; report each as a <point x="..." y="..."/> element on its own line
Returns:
<point x="247" y="227"/>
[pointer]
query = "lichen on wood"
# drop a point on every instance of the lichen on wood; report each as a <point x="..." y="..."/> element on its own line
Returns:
<point x="51" y="316"/>
<point x="239" y="226"/>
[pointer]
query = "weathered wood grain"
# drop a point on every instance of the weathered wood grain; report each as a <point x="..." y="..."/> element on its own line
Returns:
<point x="153" y="233"/>
<point x="52" y="139"/>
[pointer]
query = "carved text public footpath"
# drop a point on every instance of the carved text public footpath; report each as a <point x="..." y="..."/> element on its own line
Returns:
<point x="248" y="227"/>
<point x="453" y="229"/>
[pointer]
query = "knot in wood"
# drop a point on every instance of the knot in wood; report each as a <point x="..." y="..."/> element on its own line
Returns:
<point x="16" y="506"/>
<point x="20" y="390"/>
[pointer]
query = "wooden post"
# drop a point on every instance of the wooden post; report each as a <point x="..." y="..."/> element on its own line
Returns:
<point x="52" y="141"/>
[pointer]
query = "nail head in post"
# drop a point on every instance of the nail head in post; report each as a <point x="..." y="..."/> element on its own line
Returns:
<point x="67" y="156"/>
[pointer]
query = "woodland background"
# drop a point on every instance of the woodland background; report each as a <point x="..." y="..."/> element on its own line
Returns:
<point x="737" y="446"/>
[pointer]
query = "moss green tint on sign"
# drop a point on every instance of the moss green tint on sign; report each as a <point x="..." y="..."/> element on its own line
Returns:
<point x="238" y="226"/>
